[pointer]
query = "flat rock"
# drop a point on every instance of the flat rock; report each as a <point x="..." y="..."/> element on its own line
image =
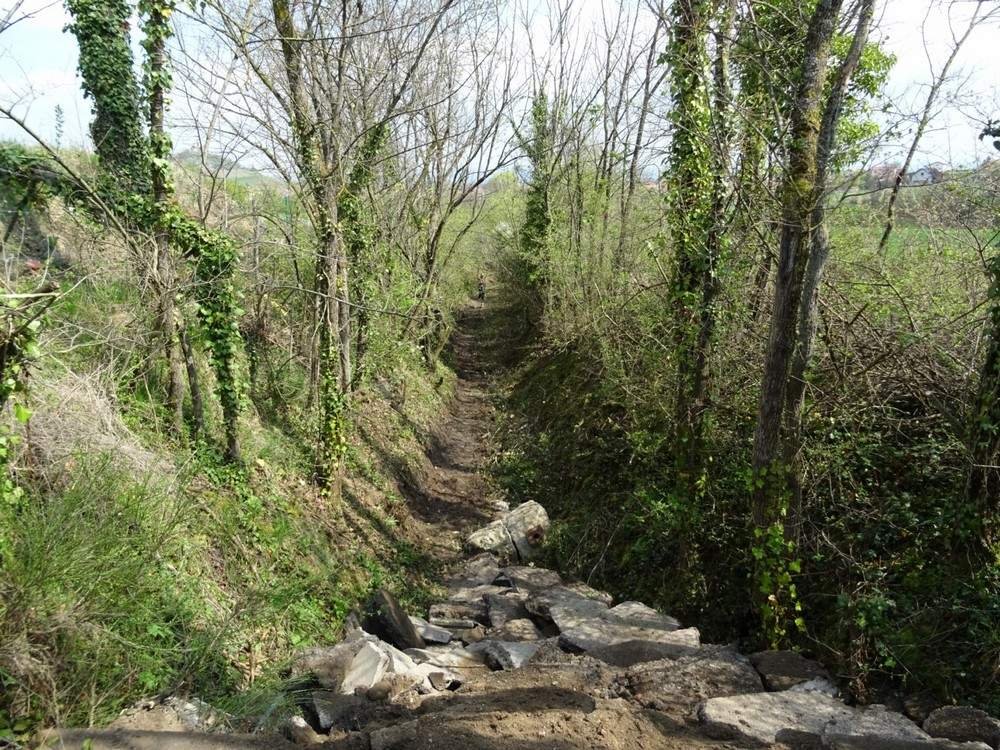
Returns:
<point x="430" y="633"/>
<point x="783" y="669"/>
<point x="531" y="579"/>
<point x="582" y="631"/>
<point x="506" y="655"/>
<point x="676" y="686"/>
<point x="518" y="630"/>
<point x="385" y="618"/>
<point x="502" y="608"/>
<point x="526" y="526"/>
<point x="874" y="742"/>
<point x="454" y="625"/>
<point x="589" y="592"/>
<point x="542" y="603"/>
<point x="475" y="595"/>
<point x="476" y="571"/>
<point x="493" y="538"/>
<point x="875" y="721"/>
<point x="453" y="657"/>
<point x="329" y="664"/>
<point x="475" y="611"/>
<point x="767" y="718"/>
<point x="637" y="613"/>
<point x="963" y="724"/>
<point x="629" y="653"/>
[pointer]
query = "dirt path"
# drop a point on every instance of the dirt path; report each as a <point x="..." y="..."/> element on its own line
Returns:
<point x="455" y="497"/>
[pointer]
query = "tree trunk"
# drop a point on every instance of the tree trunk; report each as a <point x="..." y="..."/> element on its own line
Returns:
<point x="164" y="277"/>
<point x="330" y="270"/>
<point x="819" y="252"/>
<point x="982" y="491"/>
<point x="194" y="383"/>
<point x="798" y="203"/>
<point x="693" y="285"/>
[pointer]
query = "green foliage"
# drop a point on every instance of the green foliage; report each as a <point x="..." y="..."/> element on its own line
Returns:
<point x="533" y="236"/>
<point x="18" y="348"/>
<point x="101" y="30"/>
<point x="690" y="219"/>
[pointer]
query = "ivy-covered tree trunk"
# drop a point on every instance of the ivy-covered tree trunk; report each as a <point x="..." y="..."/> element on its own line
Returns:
<point x="101" y="28"/>
<point x="534" y="234"/>
<point x="136" y="186"/>
<point x="983" y="486"/>
<point x="775" y="592"/>
<point x="330" y="267"/>
<point x="360" y="233"/>
<point x="156" y="14"/>
<point x="693" y="285"/>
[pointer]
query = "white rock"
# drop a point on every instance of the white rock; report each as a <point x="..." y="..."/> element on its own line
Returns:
<point x="494" y="538"/>
<point x="527" y="525"/>
<point x="767" y="718"/>
<point x="816" y="685"/>
<point x="875" y="721"/>
<point x="637" y="613"/>
<point x="430" y="633"/>
<point x="367" y="667"/>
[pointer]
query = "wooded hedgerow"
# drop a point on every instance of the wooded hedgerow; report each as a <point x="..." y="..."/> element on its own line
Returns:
<point x="755" y="380"/>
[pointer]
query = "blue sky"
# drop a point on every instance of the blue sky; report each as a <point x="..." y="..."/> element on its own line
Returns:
<point x="38" y="72"/>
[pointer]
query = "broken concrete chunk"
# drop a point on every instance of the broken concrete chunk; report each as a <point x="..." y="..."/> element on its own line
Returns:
<point x="329" y="664"/>
<point x="532" y="579"/>
<point x="477" y="571"/>
<point x="336" y="710"/>
<point x="453" y="625"/>
<point x="540" y="604"/>
<point x="630" y="653"/>
<point x="637" y="613"/>
<point x="430" y="633"/>
<point x="475" y="611"/>
<point x="493" y="538"/>
<point x="963" y="724"/>
<point x="367" y="667"/>
<point x="471" y="635"/>
<point x="475" y="595"/>
<point x="527" y="525"/>
<point x="783" y="669"/>
<point x="589" y="592"/>
<point x="451" y="658"/>
<point x="678" y="685"/>
<point x="505" y="655"/>
<point x="875" y="721"/>
<point x="505" y="607"/>
<point x="767" y="718"/>
<point x="385" y="618"/>
<point x="519" y="630"/>
<point x="817" y="685"/>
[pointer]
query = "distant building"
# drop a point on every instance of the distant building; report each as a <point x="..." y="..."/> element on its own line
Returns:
<point x="886" y="176"/>
<point x="924" y="176"/>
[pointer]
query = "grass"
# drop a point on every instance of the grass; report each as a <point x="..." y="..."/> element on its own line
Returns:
<point x="203" y="581"/>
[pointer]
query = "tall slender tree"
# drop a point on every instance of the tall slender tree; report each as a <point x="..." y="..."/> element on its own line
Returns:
<point x="691" y="217"/>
